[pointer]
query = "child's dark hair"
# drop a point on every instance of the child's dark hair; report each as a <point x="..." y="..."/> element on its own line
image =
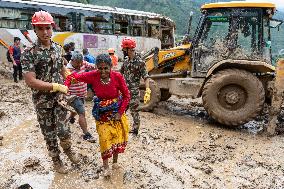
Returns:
<point x="103" y="58"/>
<point x="17" y="39"/>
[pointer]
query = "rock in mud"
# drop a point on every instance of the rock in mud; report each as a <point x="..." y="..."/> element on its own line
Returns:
<point x="31" y="162"/>
<point x="127" y="177"/>
<point x="2" y="114"/>
<point x="214" y="136"/>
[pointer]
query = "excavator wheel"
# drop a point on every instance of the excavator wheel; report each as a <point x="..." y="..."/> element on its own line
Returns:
<point x="233" y="97"/>
<point x="155" y="97"/>
<point x="165" y="94"/>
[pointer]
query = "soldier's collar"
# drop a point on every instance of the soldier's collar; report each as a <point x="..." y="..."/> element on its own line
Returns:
<point x="39" y="44"/>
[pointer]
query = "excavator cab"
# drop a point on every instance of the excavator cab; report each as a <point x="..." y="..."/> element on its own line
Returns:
<point x="231" y="33"/>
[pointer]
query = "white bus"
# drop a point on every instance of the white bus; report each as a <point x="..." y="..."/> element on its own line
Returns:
<point x="89" y="26"/>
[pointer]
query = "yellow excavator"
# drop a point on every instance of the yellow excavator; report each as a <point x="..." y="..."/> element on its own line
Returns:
<point x="227" y="62"/>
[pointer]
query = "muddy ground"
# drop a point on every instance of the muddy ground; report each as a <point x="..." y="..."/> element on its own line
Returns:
<point x="178" y="147"/>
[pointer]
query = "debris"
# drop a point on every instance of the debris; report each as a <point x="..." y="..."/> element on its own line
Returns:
<point x="31" y="162"/>
<point x="2" y="114"/>
<point x="25" y="186"/>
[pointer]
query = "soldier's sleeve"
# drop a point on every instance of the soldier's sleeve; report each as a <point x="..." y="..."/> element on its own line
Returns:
<point x="122" y="68"/>
<point x="143" y="70"/>
<point x="27" y="61"/>
<point x="61" y="51"/>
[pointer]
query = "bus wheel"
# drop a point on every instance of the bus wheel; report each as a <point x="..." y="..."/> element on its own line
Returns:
<point x="155" y="97"/>
<point x="233" y="97"/>
<point x="165" y="94"/>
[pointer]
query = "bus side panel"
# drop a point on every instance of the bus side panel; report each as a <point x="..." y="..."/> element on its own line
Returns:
<point x="96" y="43"/>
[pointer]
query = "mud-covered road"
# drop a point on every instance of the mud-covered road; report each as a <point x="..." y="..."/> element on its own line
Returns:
<point x="178" y="147"/>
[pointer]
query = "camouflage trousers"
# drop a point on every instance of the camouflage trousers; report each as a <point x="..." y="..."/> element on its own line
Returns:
<point x="133" y="106"/>
<point x="53" y="123"/>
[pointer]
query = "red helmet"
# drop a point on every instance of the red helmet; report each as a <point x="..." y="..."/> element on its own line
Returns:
<point x="42" y="18"/>
<point x="128" y="42"/>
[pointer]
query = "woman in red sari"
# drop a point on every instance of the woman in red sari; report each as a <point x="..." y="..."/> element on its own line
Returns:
<point x="110" y="103"/>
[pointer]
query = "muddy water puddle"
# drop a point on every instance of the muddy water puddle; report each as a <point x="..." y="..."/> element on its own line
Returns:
<point x="193" y="109"/>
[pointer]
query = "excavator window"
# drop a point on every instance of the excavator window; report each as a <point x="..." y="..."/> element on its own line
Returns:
<point x="228" y="34"/>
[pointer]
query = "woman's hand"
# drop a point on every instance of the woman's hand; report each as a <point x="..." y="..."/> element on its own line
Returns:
<point x="117" y="116"/>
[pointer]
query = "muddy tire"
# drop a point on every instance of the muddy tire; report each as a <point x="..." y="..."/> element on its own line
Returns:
<point x="233" y="97"/>
<point x="155" y="97"/>
<point x="165" y="94"/>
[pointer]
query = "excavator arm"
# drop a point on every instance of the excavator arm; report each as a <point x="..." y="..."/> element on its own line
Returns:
<point x="176" y="58"/>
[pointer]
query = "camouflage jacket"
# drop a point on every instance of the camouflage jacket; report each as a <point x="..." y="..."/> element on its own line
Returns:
<point x="47" y="65"/>
<point x="133" y="71"/>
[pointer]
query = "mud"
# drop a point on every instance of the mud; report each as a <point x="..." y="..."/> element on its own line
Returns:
<point x="178" y="146"/>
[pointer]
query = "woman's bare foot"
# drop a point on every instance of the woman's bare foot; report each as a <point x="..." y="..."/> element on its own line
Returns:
<point x="116" y="166"/>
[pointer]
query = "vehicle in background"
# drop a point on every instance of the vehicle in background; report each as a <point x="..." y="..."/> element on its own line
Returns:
<point x="89" y="26"/>
<point x="227" y="62"/>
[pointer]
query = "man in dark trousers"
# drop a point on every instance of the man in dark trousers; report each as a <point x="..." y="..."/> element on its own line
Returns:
<point x="133" y="69"/>
<point x="15" y="56"/>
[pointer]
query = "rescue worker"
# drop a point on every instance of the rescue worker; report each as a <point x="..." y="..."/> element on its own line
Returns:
<point x="134" y="69"/>
<point x="44" y="71"/>
<point x="114" y="58"/>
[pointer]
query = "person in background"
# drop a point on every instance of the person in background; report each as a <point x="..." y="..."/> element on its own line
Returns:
<point x="15" y="55"/>
<point x="88" y="57"/>
<point x="72" y="47"/>
<point x="80" y="90"/>
<point x="68" y="54"/>
<point x="114" y="58"/>
<point x="109" y="108"/>
<point x="44" y="71"/>
<point x="91" y="59"/>
<point x="133" y="69"/>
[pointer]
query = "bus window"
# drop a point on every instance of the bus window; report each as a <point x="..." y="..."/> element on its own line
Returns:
<point x="103" y="27"/>
<point x="167" y="34"/>
<point x="12" y="18"/>
<point x="153" y="28"/>
<point x="121" y="23"/>
<point x="25" y="21"/>
<point x="153" y="31"/>
<point x="121" y="28"/>
<point x="137" y="30"/>
<point x="167" y="40"/>
<point x="89" y="26"/>
<point x="61" y="23"/>
<point x="98" y="25"/>
<point x="138" y="26"/>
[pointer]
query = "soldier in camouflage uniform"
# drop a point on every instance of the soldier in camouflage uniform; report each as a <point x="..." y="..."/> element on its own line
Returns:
<point x="44" y="72"/>
<point x="133" y="70"/>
